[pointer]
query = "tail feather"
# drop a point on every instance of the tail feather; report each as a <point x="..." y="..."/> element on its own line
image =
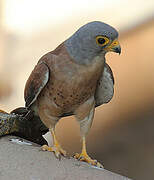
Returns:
<point x="24" y="123"/>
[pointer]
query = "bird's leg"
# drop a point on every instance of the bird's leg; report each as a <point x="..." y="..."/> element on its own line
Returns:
<point x="83" y="154"/>
<point x="56" y="147"/>
<point x="85" y="124"/>
<point x="85" y="157"/>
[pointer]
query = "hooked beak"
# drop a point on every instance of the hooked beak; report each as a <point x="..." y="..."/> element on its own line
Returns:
<point x="114" y="47"/>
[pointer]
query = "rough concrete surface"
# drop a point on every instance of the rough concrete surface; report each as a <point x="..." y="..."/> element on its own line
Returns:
<point x="27" y="161"/>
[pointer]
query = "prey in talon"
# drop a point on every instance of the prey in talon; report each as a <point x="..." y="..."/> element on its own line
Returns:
<point x="74" y="79"/>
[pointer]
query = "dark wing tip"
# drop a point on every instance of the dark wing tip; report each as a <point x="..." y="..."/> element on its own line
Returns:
<point x="36" y="82"/>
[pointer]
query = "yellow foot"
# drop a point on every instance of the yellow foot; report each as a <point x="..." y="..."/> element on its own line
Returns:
<point x="56" y="149"/>
<point x="86" y="158"/>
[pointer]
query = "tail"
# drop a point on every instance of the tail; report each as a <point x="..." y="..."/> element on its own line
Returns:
<point x="23" y="123"/>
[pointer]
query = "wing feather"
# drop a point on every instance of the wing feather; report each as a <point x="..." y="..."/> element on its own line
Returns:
<point x="36" y="82"/>
<point x="105" y="87"/>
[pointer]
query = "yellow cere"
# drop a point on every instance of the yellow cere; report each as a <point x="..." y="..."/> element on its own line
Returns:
<point x="115" y="42"/>
<point x="112" y="45"/>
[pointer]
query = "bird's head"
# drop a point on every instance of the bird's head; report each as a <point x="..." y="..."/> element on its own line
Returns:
<point x="91" y="40"/>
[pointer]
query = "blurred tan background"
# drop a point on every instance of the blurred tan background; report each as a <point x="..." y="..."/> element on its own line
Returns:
<point x="122" y="135"/>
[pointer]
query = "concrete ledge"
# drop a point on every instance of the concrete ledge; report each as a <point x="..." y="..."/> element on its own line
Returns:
<point x="26" y="161"/>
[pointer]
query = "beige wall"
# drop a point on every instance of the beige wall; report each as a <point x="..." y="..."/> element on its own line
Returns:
<point x="5" y="88"/>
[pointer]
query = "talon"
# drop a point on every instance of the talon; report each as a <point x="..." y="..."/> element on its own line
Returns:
<point x="76" y="156"/>
<point x="59" y="157"/>
<point x="81" y="158"/>
<point x="95" y="160"/>
<point x="56" y="149"/>
<point x="99" y="165"/>
<point x="57" y="154"/>
<point x="86" y="158"/>
<point x="44" y="147"/>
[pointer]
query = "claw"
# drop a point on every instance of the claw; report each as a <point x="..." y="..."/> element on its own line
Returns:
<point x="56" y="149"/>
<point x="86" y="158"/>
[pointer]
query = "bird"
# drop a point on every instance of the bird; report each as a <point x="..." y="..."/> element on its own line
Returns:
<point x="73" y="79"/>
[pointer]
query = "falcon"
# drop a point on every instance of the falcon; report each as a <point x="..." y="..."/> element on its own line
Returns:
<point x="74" y="79"/>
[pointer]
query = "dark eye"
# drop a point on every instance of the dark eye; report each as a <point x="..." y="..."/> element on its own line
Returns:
<point x="102" y="40"/>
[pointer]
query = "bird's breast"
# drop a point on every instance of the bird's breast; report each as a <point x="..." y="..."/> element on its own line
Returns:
<point x="71" y="84"/>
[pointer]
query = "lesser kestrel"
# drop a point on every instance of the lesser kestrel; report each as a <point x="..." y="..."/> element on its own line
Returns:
<point x="73" y="79"/>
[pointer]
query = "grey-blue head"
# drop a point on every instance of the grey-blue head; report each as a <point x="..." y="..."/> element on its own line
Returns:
<point x="91" y="40"/>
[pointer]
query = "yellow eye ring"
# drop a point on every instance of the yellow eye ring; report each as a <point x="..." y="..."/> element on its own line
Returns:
<point x="102" y="40"/>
